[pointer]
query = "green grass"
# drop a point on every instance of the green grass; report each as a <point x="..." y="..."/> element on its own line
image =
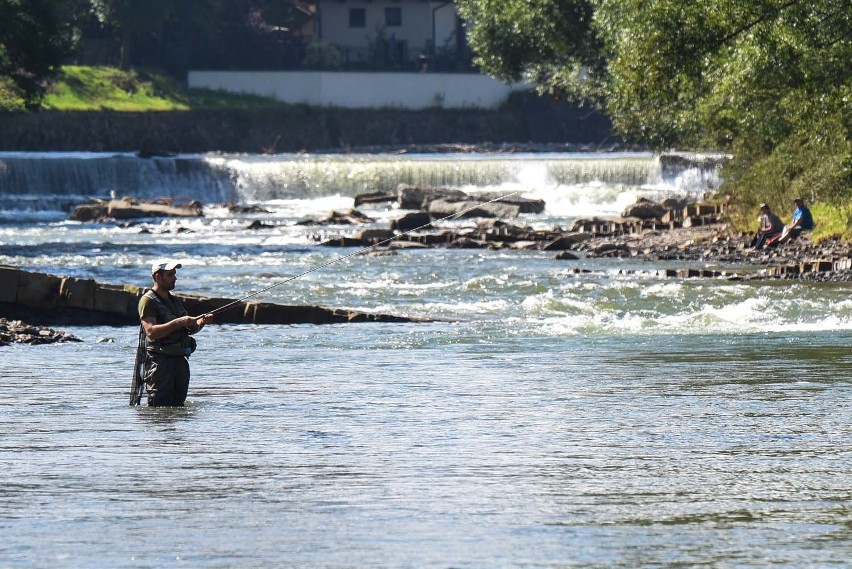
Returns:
<point x="832" y="222"/>
<point x="108" y="88"/>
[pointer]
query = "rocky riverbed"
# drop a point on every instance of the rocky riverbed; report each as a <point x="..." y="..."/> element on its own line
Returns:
<point x="672" y="230"/>
<point x="15" y="331"/>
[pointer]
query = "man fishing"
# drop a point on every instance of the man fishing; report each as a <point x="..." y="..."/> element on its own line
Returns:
<point x="165" y="341"/>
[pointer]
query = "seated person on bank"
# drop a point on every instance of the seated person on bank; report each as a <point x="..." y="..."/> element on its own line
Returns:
<point x="770" y="226"/>
<point x="802" y="221"/>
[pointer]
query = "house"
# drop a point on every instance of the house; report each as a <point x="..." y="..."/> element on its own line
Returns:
<point x="393" y="33"/>
<point x="362" y="54"/>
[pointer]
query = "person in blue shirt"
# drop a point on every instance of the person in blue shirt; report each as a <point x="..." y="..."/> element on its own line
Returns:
<point x="802" y="221"/>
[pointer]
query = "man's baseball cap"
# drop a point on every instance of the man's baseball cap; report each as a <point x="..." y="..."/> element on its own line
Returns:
<point x="164" y="266"/>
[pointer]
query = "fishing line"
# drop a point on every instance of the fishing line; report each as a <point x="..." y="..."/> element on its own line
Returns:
<point x="358" y="252"/>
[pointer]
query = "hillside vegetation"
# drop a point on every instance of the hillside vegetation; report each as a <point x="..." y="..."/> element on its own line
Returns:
<point x="78" y="88"/>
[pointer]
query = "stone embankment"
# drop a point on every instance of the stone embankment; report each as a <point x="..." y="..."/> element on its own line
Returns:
<point x="39" y="298"/>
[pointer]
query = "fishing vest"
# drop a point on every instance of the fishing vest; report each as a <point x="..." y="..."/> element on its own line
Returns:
<point x="178" y="343"/>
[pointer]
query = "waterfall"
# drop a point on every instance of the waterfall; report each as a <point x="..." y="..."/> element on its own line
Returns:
<point x="38" y="181"/>
<point x="33" y="181"/>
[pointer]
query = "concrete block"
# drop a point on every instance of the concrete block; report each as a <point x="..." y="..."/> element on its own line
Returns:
<point x="115" y="300"/>
<point x="38" y="290"/>
<point x="268" y="313"/>
<point x="77" y="293"/>
<point x="9" y="277"/>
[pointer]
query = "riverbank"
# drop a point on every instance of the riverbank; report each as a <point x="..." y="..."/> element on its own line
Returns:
<point x="290" y="128"/>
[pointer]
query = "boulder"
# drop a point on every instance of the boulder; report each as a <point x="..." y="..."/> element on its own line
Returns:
<point x="130" y="209"/>
<point x="89" y="212"/>
<point x="525" y="205"/>
<point x="565" y="242"/>
<point x="644" y="209"/>
<point x="374" y="197"/>
<point x="351" y="217"/>
<point x="413" y="197"/>
<point x="411" y="221"/>
<point x="466" y="209"/>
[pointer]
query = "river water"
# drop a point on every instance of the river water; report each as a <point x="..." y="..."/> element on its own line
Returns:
<point x="544" y="418"/>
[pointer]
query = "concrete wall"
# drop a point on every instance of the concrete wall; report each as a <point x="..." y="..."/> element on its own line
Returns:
<point x="416" y="27"/>
<point x="39" y="297"/>
<point x="356" y="90"/>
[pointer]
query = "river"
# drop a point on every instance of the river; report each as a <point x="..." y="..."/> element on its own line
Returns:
<point x="545" y="417"/>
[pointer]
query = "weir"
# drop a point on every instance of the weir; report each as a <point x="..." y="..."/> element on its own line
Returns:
<point x="39" y="181"/>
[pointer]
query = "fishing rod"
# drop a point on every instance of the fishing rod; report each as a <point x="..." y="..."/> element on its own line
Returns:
<point x="358" y="252"/>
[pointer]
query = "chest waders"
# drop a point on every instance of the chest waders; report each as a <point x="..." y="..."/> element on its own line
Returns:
<point x="178" y="344"/>
<point x="138" y="384"/>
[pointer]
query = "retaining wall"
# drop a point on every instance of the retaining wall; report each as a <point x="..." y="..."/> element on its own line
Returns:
<point x="48" y="299"/>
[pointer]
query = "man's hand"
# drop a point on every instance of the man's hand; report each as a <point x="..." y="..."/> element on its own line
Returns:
<point x="204" y="319"/>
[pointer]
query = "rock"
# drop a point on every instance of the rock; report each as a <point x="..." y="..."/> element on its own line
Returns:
<point x="89" y="212"/>
<point x="236" y="208"/>
<point x="611" y="250"/>
<point x="644" y="209"/>
<point x="412" y="197"/>
<point x="411" y="221"/>
<point x="257" y="224"/>
<point x="675" y="204"/>
<point x="441" y="208"/>
<point x="130" y="209"/>
<point x="468" y="243"/>
<point x="566" y="242"/>
<point x="374" y="197"/>
<point x="567" y="256"/>
<point x="525" y="205"/>
<point x="378" y="235"/>
<point x="351" y="217"/>
<point x="18" y="331"/>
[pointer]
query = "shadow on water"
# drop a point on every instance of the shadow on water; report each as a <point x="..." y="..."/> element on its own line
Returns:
<point x="165" y="416"/>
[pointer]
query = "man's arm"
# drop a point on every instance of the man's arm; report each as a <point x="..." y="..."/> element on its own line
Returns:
<point x="156" y="331"/>
<point x="200" y="322"/>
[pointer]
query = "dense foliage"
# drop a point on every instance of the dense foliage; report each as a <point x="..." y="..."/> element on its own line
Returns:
<point x="37" y="36"/>
<point x="769" y="80"/>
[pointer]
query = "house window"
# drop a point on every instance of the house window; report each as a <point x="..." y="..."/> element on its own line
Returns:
<point x="357" y="18"/>
<point x="393" y="16"/>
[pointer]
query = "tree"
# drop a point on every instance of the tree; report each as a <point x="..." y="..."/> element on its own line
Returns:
<point x="35" y="37"/>
<point x="133" y="19"/>
<point x="770" y="80"/>
<point x="551" y="42"/>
